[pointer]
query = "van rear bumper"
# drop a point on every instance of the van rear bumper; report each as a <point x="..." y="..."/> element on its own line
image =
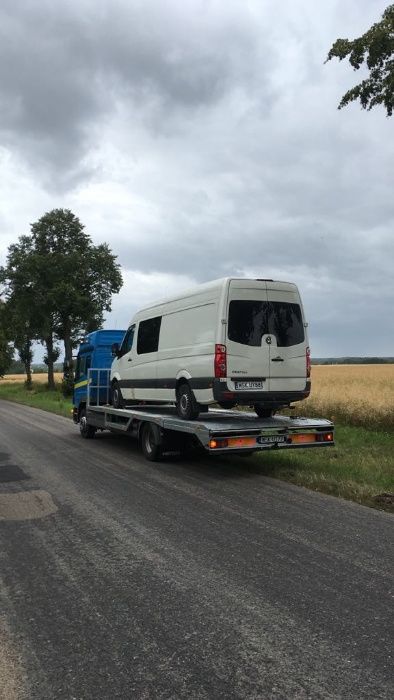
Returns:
<point x="221" y="392"/>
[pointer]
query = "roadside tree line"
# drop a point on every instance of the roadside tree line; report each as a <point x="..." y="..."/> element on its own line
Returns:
<point x="56" y="285"/>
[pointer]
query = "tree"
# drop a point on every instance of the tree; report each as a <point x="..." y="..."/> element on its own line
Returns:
<point x="28" y="315"/>
<point x="60" y="283"/>
<point x="375" y="48"/>
<point x="79" y="278"/>
<point x="6" y="350"/>
<point x="23" y="334"/>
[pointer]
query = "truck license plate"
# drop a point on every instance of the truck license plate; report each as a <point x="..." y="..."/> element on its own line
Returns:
<point x="269" y="439"/>
<point x="249" y="385"/>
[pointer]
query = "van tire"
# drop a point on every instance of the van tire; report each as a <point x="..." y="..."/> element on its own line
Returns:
<point x="117" y="399"/>
<point x="262" y="411"/>
<point x="87" y="431"/>
<point x="151" y="442"/>
<point x="186" y="404"/>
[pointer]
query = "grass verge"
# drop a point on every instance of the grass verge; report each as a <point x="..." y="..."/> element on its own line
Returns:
<point x="359" y="468"/>
<point x="38" y="397"/>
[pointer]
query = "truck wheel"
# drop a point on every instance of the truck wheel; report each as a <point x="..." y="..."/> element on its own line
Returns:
<point x="87" y="431"/>
<point x="116" y="395"/>
<point x="263" y="411"/>
<point x="186" y="404"/>
<point x="151" y="442"/>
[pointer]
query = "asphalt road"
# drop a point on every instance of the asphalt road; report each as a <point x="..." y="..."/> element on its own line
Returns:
<point x="125" y="579"/>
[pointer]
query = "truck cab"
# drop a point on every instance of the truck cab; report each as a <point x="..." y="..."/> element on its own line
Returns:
<point x="94" y="352"/>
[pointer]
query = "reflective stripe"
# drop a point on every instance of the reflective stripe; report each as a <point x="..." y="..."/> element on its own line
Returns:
<point x="79" y="384"/>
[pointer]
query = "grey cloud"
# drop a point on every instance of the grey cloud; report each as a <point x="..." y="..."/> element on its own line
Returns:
<point x="63" y="68"/>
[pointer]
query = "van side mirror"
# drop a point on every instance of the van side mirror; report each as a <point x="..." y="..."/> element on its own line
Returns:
<point x="115" y="349"/>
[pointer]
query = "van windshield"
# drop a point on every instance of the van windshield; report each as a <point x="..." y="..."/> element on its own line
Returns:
<point x="249" y="320"/>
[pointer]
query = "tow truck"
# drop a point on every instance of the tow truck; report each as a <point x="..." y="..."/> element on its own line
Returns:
<point x="159" y="430"/>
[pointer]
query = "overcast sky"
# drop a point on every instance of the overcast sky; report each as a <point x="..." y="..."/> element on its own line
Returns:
<point x="202" y="139"/>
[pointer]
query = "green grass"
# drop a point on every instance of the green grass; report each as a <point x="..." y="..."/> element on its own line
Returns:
<point x="38" y="397"/>
<point x="360" y="467"/>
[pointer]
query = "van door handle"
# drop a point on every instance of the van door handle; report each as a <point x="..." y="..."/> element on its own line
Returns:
<point x="277" y="359"/>
<point x="130" y="359"/>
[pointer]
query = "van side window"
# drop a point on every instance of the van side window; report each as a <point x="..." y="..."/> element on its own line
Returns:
<point x="127" y="342"/>
<point x="148" y="335"/>
<point x="248" y="321"/>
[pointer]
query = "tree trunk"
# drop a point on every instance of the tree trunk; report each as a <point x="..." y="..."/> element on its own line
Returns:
<point x="68" y="356"/>
<point x="51" y="377"/>
<point x="28" y="382"/>
<point x="26" y="356"/>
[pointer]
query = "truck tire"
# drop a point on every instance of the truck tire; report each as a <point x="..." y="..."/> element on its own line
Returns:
<point x="186" y="404"/>
<point x="87" y="431"/>
<point x="262" y="411"/>
<point x="117" y="399"/>
<point x="151" y="442"/>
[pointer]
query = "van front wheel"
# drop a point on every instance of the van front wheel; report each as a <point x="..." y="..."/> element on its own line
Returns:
<point x="186" y="404"/>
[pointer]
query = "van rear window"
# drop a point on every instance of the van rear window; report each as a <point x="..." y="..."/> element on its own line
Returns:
<point x="249" y="320"/>
<point x="148" y="335"/>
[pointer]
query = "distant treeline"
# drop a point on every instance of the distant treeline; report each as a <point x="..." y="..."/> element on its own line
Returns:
<point x="353" y="360"/>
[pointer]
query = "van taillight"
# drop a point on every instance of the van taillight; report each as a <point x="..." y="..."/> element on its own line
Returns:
<point x="308" y="362"/>
<point x="220" y="361"/>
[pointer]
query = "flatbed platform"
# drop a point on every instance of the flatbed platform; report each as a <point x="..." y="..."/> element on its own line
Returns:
<point x="216" y="430"/>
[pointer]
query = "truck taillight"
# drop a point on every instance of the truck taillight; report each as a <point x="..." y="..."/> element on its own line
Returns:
<point x="308" y="362"/>
<point x="220" y="361"/>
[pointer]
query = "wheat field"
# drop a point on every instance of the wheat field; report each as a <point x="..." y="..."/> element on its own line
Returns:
<point x="41" y="378"/>
<point x="354" y="394"/>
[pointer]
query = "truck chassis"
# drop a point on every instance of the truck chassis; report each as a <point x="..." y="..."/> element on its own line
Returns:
<point x="161" y="432"/>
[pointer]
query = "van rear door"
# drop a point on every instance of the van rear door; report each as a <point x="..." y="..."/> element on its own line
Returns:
<point x="288" y="338"/>
<point x="248" y="338"/>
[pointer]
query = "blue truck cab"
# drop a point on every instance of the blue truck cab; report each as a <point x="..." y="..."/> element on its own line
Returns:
<point x="94" y="352"/>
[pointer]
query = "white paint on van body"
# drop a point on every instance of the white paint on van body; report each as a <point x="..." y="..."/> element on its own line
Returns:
<point x="191" y="325"/>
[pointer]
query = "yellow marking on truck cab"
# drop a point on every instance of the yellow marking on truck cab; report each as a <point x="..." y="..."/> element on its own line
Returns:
<point x="79" y="384"/>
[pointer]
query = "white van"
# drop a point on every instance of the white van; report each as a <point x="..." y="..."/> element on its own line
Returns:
<point x="231" y="341"/>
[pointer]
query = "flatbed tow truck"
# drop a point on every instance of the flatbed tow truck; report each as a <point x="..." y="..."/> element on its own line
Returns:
<point x="160" y="432"/>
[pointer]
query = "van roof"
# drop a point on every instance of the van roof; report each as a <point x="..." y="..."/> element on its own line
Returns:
<point x="214" y="284"/>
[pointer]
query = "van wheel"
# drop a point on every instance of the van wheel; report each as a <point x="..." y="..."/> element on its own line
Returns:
<point x="262" y="411"/>
<point x="186" y="404"/>
<point x="116" y="395"/>
<point x="151" y="442"/>
<point x="227" y="404"/>
<point x="87" y="431"/>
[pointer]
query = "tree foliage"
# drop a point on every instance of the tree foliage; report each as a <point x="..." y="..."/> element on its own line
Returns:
<point x="59" y="284"/>
<point x="375" y="50"/>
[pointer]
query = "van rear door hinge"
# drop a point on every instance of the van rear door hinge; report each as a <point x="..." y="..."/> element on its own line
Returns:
<point x="224" y="321"/>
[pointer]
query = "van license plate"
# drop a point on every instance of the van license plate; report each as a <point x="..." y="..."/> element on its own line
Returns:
<point x="269" y="439"/>
<point x="249" y="385"/>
